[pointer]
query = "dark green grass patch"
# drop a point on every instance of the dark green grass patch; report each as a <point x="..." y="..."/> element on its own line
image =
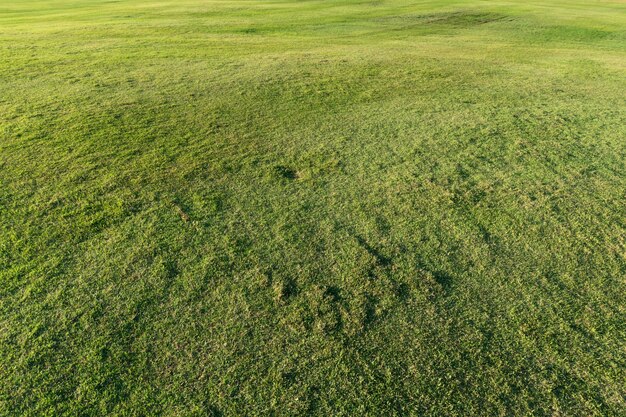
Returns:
<point x="456" y="19"/>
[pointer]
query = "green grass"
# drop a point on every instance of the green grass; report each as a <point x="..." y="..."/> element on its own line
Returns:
<point x="333" y="207"/>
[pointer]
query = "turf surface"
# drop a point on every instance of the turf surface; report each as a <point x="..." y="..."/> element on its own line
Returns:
<point x="312" y="207"/>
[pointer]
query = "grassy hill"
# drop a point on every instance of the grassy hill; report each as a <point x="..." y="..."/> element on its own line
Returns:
<point x="341" y="207"/>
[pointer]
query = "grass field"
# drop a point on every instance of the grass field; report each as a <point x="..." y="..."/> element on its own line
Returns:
<point x="342" y="207"/>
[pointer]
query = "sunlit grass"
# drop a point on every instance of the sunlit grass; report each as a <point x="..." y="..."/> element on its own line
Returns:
<point x="312" y="208"/>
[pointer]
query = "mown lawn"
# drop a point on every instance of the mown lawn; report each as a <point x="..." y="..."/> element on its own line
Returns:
<point x="340" y="207"/>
